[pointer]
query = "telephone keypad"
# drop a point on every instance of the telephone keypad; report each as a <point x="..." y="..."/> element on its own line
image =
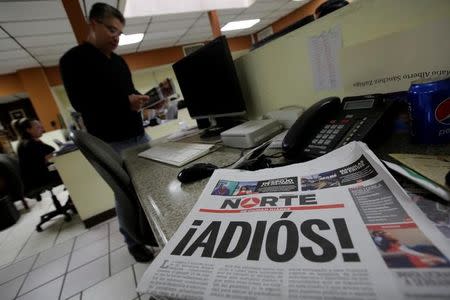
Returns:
<point x="326" y="138"/>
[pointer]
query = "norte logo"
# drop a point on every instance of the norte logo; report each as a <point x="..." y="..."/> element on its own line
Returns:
<point x="442" y="112"/>
<point x="250" y="202"/>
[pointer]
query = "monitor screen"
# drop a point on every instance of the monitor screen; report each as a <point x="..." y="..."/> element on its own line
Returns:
<point x="209" y="83"/>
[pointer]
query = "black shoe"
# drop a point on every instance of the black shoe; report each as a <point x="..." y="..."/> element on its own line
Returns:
<point x="141" y="253"/>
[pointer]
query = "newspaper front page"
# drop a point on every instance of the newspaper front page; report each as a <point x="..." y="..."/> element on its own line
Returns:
<point x="337" y="227"/>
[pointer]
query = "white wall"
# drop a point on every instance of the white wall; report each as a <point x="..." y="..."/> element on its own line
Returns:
<point x="279" y="73"/>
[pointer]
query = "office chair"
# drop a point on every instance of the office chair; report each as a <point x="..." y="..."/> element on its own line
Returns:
<point x="10" y="171"/>
<point x="10" y="174"/>
<point x="111" y="168"/>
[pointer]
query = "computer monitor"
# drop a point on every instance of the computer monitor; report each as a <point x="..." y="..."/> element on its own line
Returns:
<point x="209" y="83"/>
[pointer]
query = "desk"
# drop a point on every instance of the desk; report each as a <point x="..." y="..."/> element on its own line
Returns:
<point x="167" y="202"/>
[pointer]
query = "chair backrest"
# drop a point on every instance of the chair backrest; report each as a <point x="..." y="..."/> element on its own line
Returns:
<point x="105" y="161"/>
<point x="10" y="174"/>
<point x="111" y="168"/>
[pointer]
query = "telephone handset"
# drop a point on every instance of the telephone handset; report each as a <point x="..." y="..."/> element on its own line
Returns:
<point x="329" y="124"/>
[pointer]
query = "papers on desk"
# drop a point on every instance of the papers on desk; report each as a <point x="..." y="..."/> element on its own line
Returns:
<point x="420" y="180"/>
<point x="337" y="226"/>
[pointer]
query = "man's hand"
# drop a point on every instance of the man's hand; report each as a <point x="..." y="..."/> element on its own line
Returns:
<point x="136" y="101"/>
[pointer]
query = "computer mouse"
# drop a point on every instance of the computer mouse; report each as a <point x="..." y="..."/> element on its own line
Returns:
<point x="196" y="172"/>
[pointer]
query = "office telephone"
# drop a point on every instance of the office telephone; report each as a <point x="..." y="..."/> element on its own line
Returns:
<point x="330" y="124"/>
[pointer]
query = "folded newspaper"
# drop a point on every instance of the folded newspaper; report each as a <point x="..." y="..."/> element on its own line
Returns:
<point x="337" y="227"/>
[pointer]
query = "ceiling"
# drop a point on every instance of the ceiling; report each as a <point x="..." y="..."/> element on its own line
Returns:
<point x="37" y="33"/>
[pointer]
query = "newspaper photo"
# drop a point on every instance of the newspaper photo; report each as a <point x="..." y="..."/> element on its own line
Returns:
<point x="337" y="227"/>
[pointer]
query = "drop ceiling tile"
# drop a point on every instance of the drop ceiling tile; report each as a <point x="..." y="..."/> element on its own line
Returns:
<point x="168" y="26"/>
<point x="279" y="14"/>
<point x="31" y="10"/>
<point x="250" y="16"/>
<point x="224" y="19"/>
<point x="18" y="29"/>
<point x="12" y="54"/>
<point x="233" y="11"/>
<point x="8" y="44"/>
<point x="13" y="65"/>
<point x="176" y="17"/>
<point x="50" y="63"/>
<point x="292" y="5"/>
<point x="264" y="7"/>
<point x="49" y="57"/>
<point x="148" y="45"/>
<point x="199" y="30"/>
<point x="56" y="49"/>
<point x="195" y="37"/>
<point x="137" y="20"/>
<point x="47" y="40"/>
<point x="126" y="49"/>
<point x="164" y="35"/>
<point x="140" y="28"/>
<point x="202" y="21"/>
<point x="281" y="2"/>
<point x="3" y="34"/>
<point x="233" y="33"/>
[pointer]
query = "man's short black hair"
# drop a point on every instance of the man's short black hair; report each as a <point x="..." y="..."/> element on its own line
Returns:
<point x="101" y="11"/>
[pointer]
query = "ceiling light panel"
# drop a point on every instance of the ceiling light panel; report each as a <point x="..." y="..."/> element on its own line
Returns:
<point x="18" y="29"/>
<point x="31" y="10"/>
<point x="136" y="8"/>
<point x="129" y="39"/>
<point x="241" y="24"/>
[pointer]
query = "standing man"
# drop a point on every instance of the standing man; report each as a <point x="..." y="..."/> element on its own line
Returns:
<point x="99" y="85"/>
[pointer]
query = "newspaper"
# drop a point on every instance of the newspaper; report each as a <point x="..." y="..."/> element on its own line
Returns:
<point x="337" y="227"/>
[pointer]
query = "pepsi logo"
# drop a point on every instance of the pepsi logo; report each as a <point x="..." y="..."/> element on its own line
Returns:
<point x="442" y="112"/>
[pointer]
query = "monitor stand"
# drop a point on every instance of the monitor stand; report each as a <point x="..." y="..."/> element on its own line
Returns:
<point x="213" y="131"/>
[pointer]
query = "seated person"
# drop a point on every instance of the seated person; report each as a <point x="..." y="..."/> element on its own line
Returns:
<point x="34" y="155"/>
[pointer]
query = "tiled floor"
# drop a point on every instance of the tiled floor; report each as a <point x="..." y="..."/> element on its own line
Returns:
<point x="66" y="260"/>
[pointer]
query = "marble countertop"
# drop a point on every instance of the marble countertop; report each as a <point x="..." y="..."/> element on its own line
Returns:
<point x="167" y="202"/>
